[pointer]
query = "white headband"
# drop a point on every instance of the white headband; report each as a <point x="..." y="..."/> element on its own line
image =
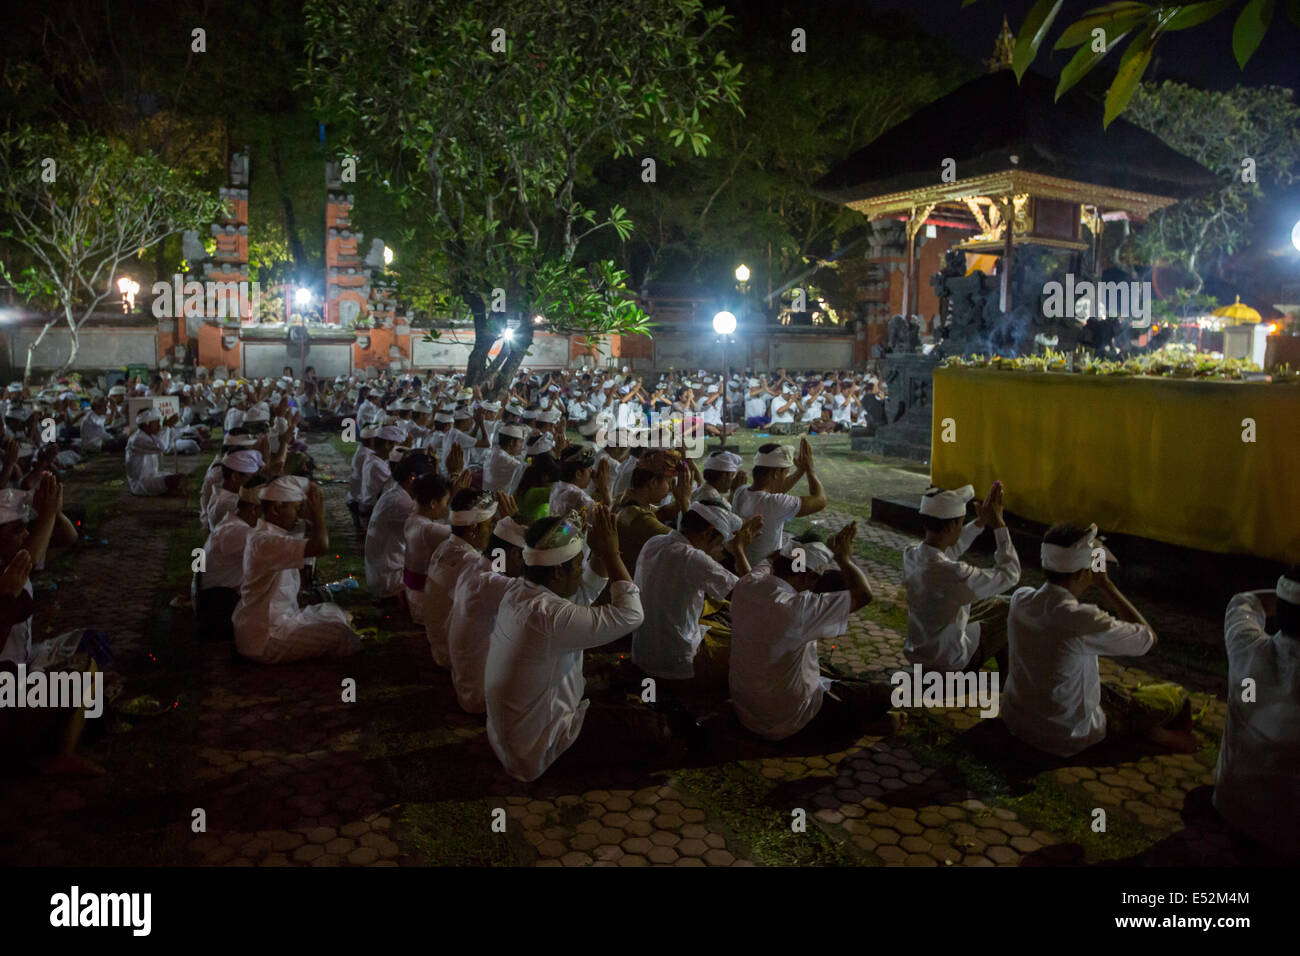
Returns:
<point x="472" y="515"/>
<point x="781" y="457"/>
<point x="552" y="557"/>
<point x="508" y="529"/>
<point x="722" y="461"/>
<point x="723" y="521"/>
<point x="947" y="504"/>
<point x="1076" y="557"/>
<point x="1288" y="590"/>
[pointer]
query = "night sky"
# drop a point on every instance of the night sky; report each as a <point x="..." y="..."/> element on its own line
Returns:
<point x="1201" y="56"/>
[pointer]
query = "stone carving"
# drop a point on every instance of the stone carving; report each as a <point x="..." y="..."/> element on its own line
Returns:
<point x="239" y="168"/>
<point x="349" y="309"/>
<point x="903" y="335"/>
<point x="192" y="249"/>
<point x="375" y="257"/>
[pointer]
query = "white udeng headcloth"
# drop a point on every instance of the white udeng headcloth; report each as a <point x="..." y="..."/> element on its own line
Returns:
<point x="1288" y="590"/>
<point x="780" y="457"/>
<point x="1076" y="557"/>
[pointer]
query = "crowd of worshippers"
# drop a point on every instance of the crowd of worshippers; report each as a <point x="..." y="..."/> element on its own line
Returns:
<point x="517" y="544"/>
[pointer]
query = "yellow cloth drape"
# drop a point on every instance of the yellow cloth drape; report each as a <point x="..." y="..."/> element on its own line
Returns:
<point x="1155" y="457"/>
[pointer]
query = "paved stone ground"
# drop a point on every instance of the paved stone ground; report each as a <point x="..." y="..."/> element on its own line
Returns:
<point x="282" y="772"/>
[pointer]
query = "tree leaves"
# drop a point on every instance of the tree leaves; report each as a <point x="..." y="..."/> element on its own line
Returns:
<point x="1113" y="19"/>
<point x="1131" y="67"/>
<point x="1248" y="32"/>
<point x="1032" y="32"/>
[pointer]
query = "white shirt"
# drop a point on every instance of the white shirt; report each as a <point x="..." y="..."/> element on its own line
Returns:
<point x="94" y="429"/>
<point x="375" y="475"/>
<point x="622" y="481"/>
<point x="422" y="538"/>
<point x="940" y="590"/>
<point x="775" y="676"/>
<point x="359" y="459"/>
<point x="18" y="642"/>
<point x="678" y="575"/>
<point x="268" y="597"/>
<point x="1052" y="697"/>
<point x="1257" y="782"/>
<point x="776" y="508"/>
<point x="813" y="409"/>
<point x="566" y="497"/>
<point x="450" y="558"/>
<point x="533" y="678"/>
<point x="220" y="504"/>
<point x="756" y="405"/>
<point x="779" y="402"/>
<point x="386" y="541"/>
<point x="502" y="471"/>
<point x="479" y="592"/>
<point x="142" y="473"/>
<point x="841" y="411"/>
<point x="224" y="553"/>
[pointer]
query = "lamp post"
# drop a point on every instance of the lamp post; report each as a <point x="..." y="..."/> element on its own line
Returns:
<point x="128" y="287"/>
<point x="724" y="323"/>
<point x="302" y="298"/>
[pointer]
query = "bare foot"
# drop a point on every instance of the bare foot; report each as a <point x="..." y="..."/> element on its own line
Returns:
<point x="69" y="765"/>
<point x="886" y="726"/>
<point x="1183" y="722"/>
<point x="1179" y="741"/>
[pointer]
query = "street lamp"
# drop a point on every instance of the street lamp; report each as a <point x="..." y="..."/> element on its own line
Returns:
<point x="128" y="287"/>
<point x="302" y="298"/>
<point x="742" y="273"/>
<point x="724" y="323"/>
<point x="1295" y="235"/>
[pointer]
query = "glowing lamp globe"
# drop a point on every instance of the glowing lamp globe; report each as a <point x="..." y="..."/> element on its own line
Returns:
<point x="1295" y="235"/>
<point x="724" y="323"/>
<point x="302" y="297"/>
<point x="742" y="273"/>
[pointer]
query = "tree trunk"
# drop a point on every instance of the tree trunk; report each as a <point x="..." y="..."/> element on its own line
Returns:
<point x="476" y="364"/>
<point x="31" y="350"/>
<point x="506" y="373"/>
<point x="75" y="347"/>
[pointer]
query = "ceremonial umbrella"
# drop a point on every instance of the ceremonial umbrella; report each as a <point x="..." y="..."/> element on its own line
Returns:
<point x="1238" y="312"/>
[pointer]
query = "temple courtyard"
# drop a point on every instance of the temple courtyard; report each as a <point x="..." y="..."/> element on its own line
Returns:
<point x="286" y="773"/>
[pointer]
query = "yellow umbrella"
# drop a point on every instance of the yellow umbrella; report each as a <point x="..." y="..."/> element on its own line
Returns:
<point x="1238" y="312"/>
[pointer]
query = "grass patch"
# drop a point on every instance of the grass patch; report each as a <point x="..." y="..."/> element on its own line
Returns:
<point x="1028" y="792"/>
<point x="892" y="616"/>
<point x="740" y="798"/>
<point x="459" y="833"/>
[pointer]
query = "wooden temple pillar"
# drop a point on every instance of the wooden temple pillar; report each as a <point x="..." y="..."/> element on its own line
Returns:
<point x="911" y="226"/>
<point x="1008" y="207"/>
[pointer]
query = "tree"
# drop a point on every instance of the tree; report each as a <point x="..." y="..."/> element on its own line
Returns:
<point x="750" y="199"/>
<point x="76" y="209"/>
<point x="485" y="118"/>
<point x="1101" y="29"/>
<point x="1249" y="137"/>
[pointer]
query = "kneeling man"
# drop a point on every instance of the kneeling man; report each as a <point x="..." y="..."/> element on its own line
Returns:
<point x="1054" y="697"/>
<point x="269" y="626"/>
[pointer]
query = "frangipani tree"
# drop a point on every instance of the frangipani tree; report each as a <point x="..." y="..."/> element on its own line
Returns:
<point x="74" y="210"/>
<point x="485" y="119"/>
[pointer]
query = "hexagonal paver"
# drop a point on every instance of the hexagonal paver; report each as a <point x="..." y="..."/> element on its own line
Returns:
<point x="662" y="854"/>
